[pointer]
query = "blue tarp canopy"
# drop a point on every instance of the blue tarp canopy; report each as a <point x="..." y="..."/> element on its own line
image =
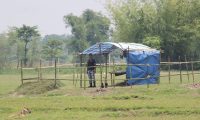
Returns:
<point x="138" y="57"/>
<point x="107" y="47"/>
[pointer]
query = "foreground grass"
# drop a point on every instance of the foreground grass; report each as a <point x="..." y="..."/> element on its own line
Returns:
<point x="164" y="101"/>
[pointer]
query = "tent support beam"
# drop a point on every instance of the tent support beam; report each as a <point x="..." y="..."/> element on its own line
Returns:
<point x="106" y="83"/>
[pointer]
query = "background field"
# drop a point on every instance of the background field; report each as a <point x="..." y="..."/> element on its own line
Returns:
<point x="163" y="101"/>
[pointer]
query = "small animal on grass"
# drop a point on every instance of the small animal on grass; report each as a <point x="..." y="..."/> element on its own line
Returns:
<point x="22" y="113"/>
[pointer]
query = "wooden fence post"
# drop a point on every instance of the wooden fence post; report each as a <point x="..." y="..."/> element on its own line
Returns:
<point x="55" y="67"/>
<point x="186" y="65"/>
<point x="84" y="77"/>
<point x="180" y="69"/>
<point x="81" y="70"/>
<point x="102" y="86"/>
<point x="169" y="70"/>
<point x="40" y="69"/>
<point x="73" y="67"/>
<point x="106" y="83"/>
<point x="22" y="73"/>
<point x="192" y="70"/>
<point x="112" y="74"/>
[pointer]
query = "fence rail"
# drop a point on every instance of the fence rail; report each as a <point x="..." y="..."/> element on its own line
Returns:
<point x="78" y="72"/>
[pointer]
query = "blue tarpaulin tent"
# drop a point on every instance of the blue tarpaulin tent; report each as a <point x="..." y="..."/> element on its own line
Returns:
<point x="143" y="67"/>
<point x="143" y="61"/>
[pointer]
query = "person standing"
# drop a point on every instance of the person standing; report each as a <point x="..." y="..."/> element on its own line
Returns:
<point x="91" y="70"/>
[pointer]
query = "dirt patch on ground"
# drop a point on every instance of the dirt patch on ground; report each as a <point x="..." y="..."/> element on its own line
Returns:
<point x="193" y="86"/>
<point x="35" y="88"/>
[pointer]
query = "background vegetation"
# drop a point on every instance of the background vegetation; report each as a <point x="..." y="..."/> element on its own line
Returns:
<point x="170" y="25"/>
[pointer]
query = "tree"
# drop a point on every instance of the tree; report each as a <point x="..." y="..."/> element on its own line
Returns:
<point x="26" y="34"/>
<point x="174" y="24"/>
<point x="52" y="49"/>
<point x="4" y="50"/>
<point x="15" y="44"/>
<point x="153" y="42"/>
<point x="89" y="28"/>
<point x="133" y="19"/>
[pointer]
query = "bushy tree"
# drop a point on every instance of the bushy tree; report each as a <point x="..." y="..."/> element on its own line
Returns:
<point x="52" y="48"/>
<point x="89" y="28"/>
<point x="26" y="34"/>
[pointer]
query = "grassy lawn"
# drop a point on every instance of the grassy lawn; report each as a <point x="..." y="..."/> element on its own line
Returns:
<point x="173" y="101"/>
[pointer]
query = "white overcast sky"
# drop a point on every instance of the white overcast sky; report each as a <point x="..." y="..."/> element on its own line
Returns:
<point x="46" y="14"/>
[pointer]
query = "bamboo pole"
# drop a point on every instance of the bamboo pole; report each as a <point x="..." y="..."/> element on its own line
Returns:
<point x="180" y="69"/>
<point x="73" y="66"/>
<point x="131" y="74"/>
<point x="161" y="51"/>
<point x="55" y="79"/>
<point x="81" y="70"/>
<point x="192" y="70"/>
<point x="22" y="72"/>
<point x="186" y="65"/>
<point x="40" y="69"/>
<point x="130" y="66"/>
<point x="112" y="73"/>
<point x="102" y="86"/>
<point x="106" y="83"/>
<point x="169" y="70"/>
<point x="58" y="62"/>
<point x="76" y="73"/>
<point x="84" y="77"/>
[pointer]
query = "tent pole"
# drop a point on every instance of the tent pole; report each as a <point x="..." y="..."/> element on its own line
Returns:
<point x="102" y="86"/>
<point x="112" y="76"/>
<point x="106" y="84"/>
<point x="84" y="77"/>
<point x="160" y="66"/>
<point x="113" y="82"/>
<point x="130" y="67"/>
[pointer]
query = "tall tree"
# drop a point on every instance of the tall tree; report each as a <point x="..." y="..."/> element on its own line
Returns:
<point x="89" y="28"/>
<point x="26" y="34"/>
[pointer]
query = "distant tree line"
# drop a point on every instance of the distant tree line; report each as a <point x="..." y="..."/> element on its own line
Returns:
<point x="25" y="43"/>
<point x="170" y="25"/>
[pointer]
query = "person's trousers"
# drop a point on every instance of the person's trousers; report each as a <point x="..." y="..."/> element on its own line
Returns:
<point x="91" y="76"/>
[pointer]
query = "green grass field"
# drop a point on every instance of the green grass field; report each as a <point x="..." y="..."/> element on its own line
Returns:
<point x="166" y="101"/>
